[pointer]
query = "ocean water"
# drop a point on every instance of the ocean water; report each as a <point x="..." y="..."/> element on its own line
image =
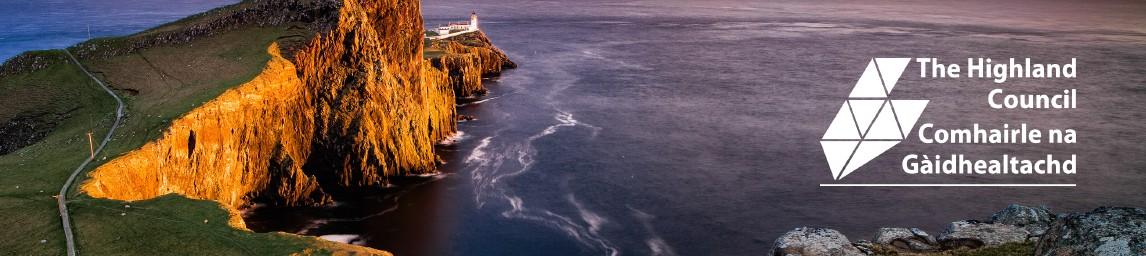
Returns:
<point x="54" y="24"/>
<point x="693" y="128"/>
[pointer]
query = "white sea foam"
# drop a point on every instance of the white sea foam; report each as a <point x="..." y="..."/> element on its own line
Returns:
<point x="656" y="244"/>
<point x="341" y="238"/>
<point x="435" y="174"/>
<point x="487" y="174"/>
<point x="518" y="155"/>
<point x="478" y="101"/>
<point x="478" y="154"/>
<point x="311" y="226"/>
<point x="659" y="247"/>
<point x="454" y="139"/>
<point x="595" y="221"/>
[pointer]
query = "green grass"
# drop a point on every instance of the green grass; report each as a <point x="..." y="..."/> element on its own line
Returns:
<point x="167" y="82"/>
<point x="169" y="225"/>
<point x="432" y="53"/>
<point x="158" y="85"/>
<point x="30" y="176"/>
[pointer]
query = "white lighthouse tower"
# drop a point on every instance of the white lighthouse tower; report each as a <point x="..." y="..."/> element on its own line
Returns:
<point x="473" y="21"/>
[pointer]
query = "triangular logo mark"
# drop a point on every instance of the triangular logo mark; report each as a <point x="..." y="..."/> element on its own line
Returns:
<point x="869" y="124"/>
<point x="843" y="126"/>
<point x="869" y="84"/>
<point x="890" y="69"/>
<point x="865" y="112"/>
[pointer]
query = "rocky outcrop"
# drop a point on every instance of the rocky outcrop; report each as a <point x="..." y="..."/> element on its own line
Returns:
<point x="1105" y="231"/>
<point x="25" y="130"/>
<point x="975" y="234"/>
<point x="1034" y="219"/>
<point x="813" y="241"/>
<point x="966" y="234"/>
<point x="354" y="106"/>
<point x="467" y="59"/>
<point x="226" y="149"/>
<point x="907" y="239"/>
<point x="1113" y="231"/>
<point x="30" y="62"/>
<point x="379" y="107"/>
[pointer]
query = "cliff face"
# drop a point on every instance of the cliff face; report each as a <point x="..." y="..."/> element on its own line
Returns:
<point x="223" y="150"/>
<point x="379" y="108"/>
<point x="467" y="59"/>
<point x="356" y="104"/>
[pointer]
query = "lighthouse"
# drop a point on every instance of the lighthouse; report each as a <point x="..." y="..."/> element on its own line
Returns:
<point x="473" y="21"/>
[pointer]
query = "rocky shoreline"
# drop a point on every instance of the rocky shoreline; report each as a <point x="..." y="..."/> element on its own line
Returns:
<point x="1018" y="228"/>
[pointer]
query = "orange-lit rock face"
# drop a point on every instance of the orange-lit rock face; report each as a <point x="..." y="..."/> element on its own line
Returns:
<point x="380" y="108"/>
<point x="223" y="149"/>
<point x="466" y="65"/>
<point x="356" y="105"/>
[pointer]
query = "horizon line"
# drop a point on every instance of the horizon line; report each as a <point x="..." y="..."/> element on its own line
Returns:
<point x="954" y="185"/>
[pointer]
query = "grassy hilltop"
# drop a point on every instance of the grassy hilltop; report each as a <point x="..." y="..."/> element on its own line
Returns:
<point x="52" y="97"/>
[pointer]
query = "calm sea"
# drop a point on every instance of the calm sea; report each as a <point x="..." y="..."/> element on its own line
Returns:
<point x="53" y="24"/>
<point x="692" y="128"/>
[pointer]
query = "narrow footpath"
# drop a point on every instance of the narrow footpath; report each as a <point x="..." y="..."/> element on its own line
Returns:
<point x="61" y="199"/>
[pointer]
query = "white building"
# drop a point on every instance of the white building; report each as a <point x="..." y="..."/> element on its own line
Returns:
<point x="460" y="27"/>
<point x="473" y="26"/>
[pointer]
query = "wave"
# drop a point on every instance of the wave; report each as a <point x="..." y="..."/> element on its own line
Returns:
<point x="311" y="226"/>
<point x="453" y="139"/>
<point x="488" y="176"/>
<point x="484" y="100"/>
<point x="656" y="244"/>
<point x="478" y="154"/>
<point x="497" y="159"/>
<point x="344" y="238"/>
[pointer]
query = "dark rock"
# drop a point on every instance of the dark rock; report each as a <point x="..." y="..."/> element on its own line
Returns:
<point x="865" y="246"/>
<point x="813" y="241"/>
<point x="919" y="233"/>
<point x="32" y="61"/>
<point x="974" y="234"/>
<point x="27" y="129"/>
<point x="913" y="240"/>
<point x="1105" y="231"/>
<point x="1034" y="220"/>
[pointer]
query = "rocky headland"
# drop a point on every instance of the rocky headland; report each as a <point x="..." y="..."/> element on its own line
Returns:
<point x="354" y="104"/>
<point x="285" y="101"/>
<point x="1014" y="230"/>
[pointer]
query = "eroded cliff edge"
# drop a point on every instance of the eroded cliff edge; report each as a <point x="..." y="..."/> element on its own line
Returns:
<point x="349" y="106"/>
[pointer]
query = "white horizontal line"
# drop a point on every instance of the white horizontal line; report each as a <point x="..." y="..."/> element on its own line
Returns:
<point x="947" y="185"/>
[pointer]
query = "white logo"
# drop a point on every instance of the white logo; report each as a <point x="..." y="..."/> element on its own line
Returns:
<point x="869" y="123"/>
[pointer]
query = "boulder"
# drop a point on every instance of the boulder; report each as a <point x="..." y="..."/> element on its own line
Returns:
<point x="975" y="234"/>
<point x="913" y="239"/>
<point x="865" y="246"/>
<point x="1110" y="231"/>
<point x="814" y="242"/>
<point x="1034" y="220"/>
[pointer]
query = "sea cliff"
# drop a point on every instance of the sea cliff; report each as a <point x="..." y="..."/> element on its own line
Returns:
<point x="467" y="59"/>
<point x="291" y="102"/>
<point x="355" y="104"/>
